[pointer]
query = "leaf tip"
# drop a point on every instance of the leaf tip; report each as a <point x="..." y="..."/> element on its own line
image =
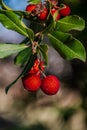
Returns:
<point x="6" y="90"/>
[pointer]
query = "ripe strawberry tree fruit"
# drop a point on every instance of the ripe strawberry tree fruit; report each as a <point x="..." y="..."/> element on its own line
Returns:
<point x="65" y="10"/>
<point x="55" y="13"/>
<point x="50" y="85"/>
<point x="43" y="14"/>
<point x="31" y="82"/>
<point x="45" y="22"/>
<point x="37" y="67"/>
<point x="41" y="66"/>
<point x="30" y="7"/>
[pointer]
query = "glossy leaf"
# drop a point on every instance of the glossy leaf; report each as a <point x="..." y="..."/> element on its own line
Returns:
<point x="34" y="1"/>
<point x="23" y="56"/>
<point x="11" y="21"/>
<point x="50" y="25"/>
<point x="67" y="46"/>
<point x="44" y="50"/>
<point x="4" y="6"/>
<point x="18" y="12"/>
<point x="25" y="40"/>
<point x="9" y="49"/>
<point x="69" y="23"/>
<point x="25" y="70"/>
<point x="49" y="28"/>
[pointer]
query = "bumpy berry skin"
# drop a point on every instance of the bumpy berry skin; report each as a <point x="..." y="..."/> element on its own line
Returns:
<point x="64" y="11"/>
<point x="31" y="82"/>
<point x="50" y="85"/>
<point x="30" y="8"/>
<point x="43" y="14"/>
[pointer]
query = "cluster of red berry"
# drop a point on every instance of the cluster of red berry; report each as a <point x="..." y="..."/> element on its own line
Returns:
<point x="60" y="11"/>
<point x="36" y="79"/>
<point x="42" y="11"/>
<point x="38" y="10"/>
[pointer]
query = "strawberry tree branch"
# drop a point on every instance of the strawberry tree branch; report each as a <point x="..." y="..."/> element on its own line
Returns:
<point x="50" y="19"/>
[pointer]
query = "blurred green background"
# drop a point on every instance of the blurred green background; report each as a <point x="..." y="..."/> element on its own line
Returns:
<point x="20" y="110"/>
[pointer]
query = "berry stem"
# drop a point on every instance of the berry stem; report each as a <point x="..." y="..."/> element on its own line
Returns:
<point x="34" y="46"/>
<point x="43" y="74"/>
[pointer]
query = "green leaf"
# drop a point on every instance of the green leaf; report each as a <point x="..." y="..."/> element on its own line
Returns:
<point x="4" y="6"/>
<point x="11" y="21"/>
<point x="67" y="46"/>
<point x="18" y="12"/>
<point x="34" y="1"/>
<point x="25" y="70"/>
<point x="69" y="23"/>
<point x="49" y="28"/>
<point x="50" y="25"/>
<point x="44" y="50"/>
<point x="23" y="56"/>
<point x="26" y="41"/>
<point x="23" y="14"/>
<point x="9" y="49"/>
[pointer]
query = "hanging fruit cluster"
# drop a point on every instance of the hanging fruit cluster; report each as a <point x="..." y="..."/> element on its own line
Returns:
<point x="41" y="11"/>
<point x="36" y="79"/>
<point x="46" y="19"/>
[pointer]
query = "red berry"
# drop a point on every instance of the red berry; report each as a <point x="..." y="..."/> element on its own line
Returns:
<point x="30" y="8"/>
<point x="55" y="13"/>
<point x="31" y="71"/>
<point x="35" y="67"/>
<point x="31" y="82"/>
<point x="64" y="11"/>
<point x="43" y="14"/>
<point x="50" y="85"/>
<point x="38" y="65"/>
<point x="42" y="66"/>
<point x="58" y="17"/>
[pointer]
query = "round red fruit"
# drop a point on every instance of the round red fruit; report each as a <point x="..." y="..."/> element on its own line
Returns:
<point x="30" y="7"/>
<point x="58" y="17"/>
<point x="31" y="82"/>
<point x="53" y="11"/>
<point x="50" y="85"/>
<point x="42" y="66"/>
<point x="55" y="14"/>
<point x="65" y="10"/>
<point x="35" y="67"/>
<point x="43" y="14"/>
